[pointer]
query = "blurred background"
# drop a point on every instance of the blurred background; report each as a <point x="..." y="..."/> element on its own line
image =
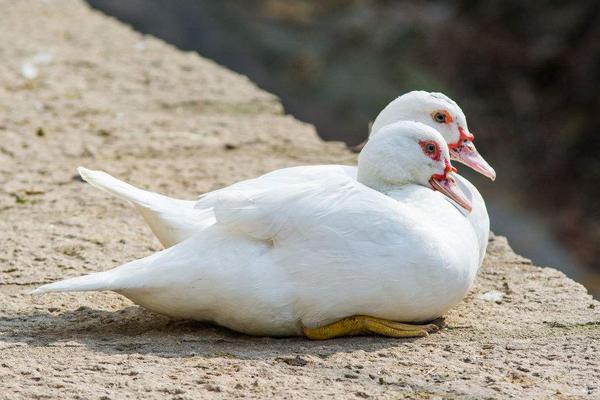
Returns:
<point x="526" y="74"/>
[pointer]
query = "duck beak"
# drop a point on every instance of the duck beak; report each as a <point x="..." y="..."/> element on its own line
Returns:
<point x="465" y="152"/>
<point x="447" y="185"/>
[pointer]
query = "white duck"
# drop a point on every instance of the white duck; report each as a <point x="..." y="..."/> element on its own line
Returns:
<point x="326" y="257"/>
<point x="174" y="220"/>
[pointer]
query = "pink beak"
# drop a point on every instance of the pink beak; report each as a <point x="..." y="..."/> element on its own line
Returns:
<point x="445" y="184"/>
<point x="465" y="152"/>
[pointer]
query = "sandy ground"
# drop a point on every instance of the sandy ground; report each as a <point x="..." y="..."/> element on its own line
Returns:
<point x="78" y="88"/>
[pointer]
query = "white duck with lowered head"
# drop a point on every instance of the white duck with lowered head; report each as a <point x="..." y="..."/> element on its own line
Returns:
<point x="173" y="220"/>
<point x="325" y="257"/>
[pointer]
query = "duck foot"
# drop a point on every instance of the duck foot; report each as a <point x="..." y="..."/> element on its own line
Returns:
<point x="364" y="325"/>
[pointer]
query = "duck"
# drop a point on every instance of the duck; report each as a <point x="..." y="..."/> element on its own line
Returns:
<point x="383" y="253"/>
<point x="174" y="220"/>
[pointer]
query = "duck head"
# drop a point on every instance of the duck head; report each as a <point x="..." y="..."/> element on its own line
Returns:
<point x="409" y="152"/>
<point x="443" y="114"/>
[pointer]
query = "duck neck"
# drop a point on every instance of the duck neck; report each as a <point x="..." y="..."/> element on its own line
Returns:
<point x="371" y="173"/>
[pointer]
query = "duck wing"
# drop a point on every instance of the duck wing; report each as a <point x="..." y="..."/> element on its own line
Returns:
<point x="337" y="206"/>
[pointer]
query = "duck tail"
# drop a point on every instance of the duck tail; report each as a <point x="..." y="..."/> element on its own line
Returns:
<point x="125" y="191"/>
<point x="92" y="282"/>
<point x="171" y="220"/>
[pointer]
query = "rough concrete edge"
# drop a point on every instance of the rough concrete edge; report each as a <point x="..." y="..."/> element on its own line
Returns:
<point x="271" y="104"/>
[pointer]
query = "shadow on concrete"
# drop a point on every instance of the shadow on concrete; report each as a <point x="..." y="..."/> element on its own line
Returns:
<point x="135" y="330"/>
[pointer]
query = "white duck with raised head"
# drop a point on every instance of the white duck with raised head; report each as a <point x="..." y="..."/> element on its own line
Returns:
<point x="324" y="257"/>
<point x="173" y="220"/>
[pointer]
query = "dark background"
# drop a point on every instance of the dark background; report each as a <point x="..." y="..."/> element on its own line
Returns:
<point x="527" y="75"/>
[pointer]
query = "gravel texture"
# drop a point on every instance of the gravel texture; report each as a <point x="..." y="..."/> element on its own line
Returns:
<point x="79" y="88"/>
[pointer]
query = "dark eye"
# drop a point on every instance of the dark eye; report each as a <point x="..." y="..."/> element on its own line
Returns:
<point x="431" y="149"/>
<point x="439" y="117"/>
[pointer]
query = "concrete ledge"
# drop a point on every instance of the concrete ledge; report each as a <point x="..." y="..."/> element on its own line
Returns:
<point x="78" y="88"/>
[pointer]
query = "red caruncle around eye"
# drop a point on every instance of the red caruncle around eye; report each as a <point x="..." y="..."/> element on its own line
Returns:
<point x="431" y="149"/>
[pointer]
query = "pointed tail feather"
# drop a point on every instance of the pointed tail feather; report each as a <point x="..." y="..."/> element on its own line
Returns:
<point x="125" y="191"/>
<point x="171" y="220"/>
<point x="126" y="276"/>
<point x="93" y="282"/>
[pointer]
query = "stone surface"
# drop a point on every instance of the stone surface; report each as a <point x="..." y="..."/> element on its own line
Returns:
<point x="78" y="88"/>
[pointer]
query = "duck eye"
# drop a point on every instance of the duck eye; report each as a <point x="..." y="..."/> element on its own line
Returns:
<point x="439" y="117"/>
<point x="431" y="149"/>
